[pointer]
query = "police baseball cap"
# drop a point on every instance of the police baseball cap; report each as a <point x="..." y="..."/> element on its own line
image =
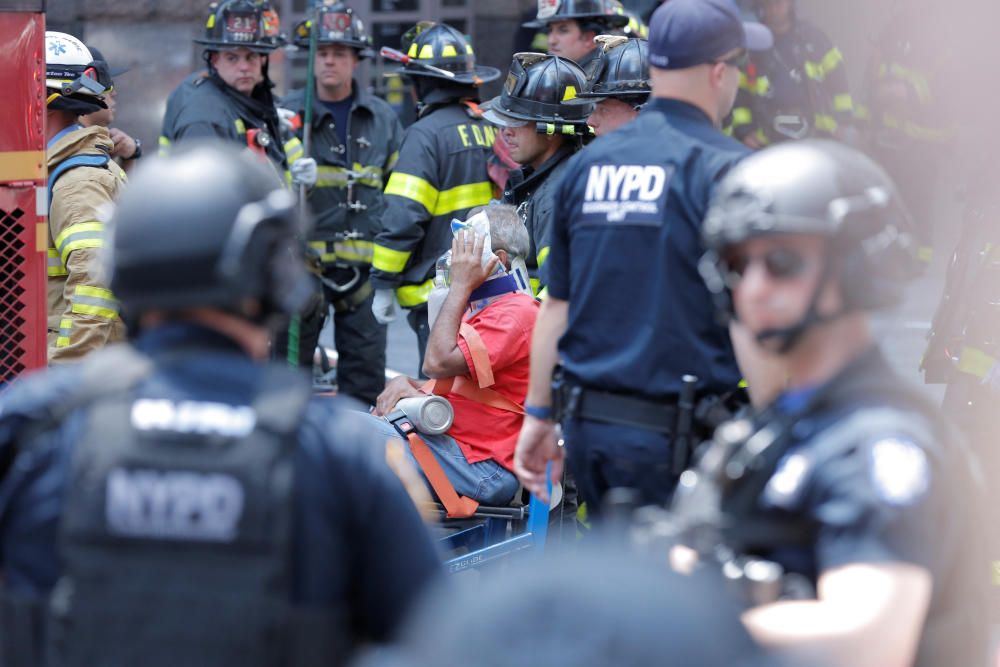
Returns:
<point x="686" y="33"/>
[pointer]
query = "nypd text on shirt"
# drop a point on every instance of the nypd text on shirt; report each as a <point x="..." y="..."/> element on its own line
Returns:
<point x="628" y="194"/>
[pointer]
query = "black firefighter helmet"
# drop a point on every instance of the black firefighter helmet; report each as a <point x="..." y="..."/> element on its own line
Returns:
<point x="335" y="24"/>
<point x="544" y="90"/>
<point x="621" y="70"/>
<point x="443" y="47"/>
<point x="815" y="187"/>
<point x="596" y="15"/>
<point x="252" y="24"/>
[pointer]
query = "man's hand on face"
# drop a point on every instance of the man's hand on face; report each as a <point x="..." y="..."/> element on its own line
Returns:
<point x="467" y="270"/>
<point x="397" y="389"/>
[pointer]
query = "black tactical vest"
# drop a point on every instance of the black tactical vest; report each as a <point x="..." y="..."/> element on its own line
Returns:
<point x="176" y="534"/>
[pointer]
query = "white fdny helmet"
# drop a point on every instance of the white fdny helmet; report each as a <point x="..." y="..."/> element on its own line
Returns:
<point x="70" y="68"/>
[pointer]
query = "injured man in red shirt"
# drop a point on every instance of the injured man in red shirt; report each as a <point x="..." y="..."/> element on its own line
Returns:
<point x="478" y="358"/>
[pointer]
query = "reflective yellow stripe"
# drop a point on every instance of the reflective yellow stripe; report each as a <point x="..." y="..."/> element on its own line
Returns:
<point x="389" y="260"/>
<point x="164" y="146"/>
<point x="241" y="127"/>
<point x="321" y="249"/>
<point x="341" y="177"/>
<point x="918" y="132"/>
<point x="760" y="86"/>
<point x="412" y="187"/>
<point x="391" y="162"/>
<point x="413" y="295"/>
<point x="55" y="266"/>
<point x="975" y="362"/>
<point x="826" y="123"/>
<point x="348" y="250"/>
<point x="426" y="52"/>
<point x="843" y="102"/>
<point x="449" y="51"/>
<point x="761" y="136"/>
<point x="80" y="235"/>
<point x="742" y="116"/>
<point x="293" y="150"/>
<point x="543" y="255"/>
<point x="925" y="254"/>
<point x="65" y="330"/>
<point x="96" y="301"/>
<point x="535" y="285"/>
<point x="463" y="197"/>
<point x="910" y="76"/>
<point x="829" y="62"/>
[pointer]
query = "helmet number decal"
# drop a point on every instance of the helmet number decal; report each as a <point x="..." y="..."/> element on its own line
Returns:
<point x="336" y="23"/>
<point x="241" y="24"/>
<point x="547" y="8"/>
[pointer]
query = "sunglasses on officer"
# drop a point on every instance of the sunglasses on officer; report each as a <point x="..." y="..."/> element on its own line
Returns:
<point x="780" y="264"/>
<point x="739" y="60"/>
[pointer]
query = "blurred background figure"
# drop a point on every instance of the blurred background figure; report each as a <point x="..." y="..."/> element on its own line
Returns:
<point x="127" y="148"/>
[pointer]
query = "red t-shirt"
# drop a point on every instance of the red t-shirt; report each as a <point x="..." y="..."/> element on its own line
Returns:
<point x="484" y="432"/>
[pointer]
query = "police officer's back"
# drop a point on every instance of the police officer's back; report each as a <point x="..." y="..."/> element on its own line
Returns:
<point x="176" y="500"/>
<point x="851" y="481"/>
<point x="625" y="296"/>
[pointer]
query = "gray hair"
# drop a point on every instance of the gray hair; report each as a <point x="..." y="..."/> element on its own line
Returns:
<point x="507" y="230"/>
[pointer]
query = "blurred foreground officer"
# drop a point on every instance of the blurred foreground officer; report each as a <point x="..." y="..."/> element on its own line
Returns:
<point x="572" y="26"/>
<point x="627" y="308"/>
<point x="355" y="138"/>
<point x="83" y="180"/>
<point x="178" y="500"/>
<point x="620" y="84"/>
<point x="543" y="121"/>
<point x="440" y="175"/>
<point x="796" y="90"/>
<point x="556" y="612"/>
<point x="851" y="481"/>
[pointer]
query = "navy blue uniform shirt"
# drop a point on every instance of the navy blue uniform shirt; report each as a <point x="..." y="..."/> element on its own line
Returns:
<point x="625" y="250"/>
<point x="358" y="542"/>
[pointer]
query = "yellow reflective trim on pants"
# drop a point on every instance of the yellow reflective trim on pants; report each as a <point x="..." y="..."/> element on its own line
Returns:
<point x="414" y="188"/>
<point x="55" y="266"/>
<point x="829" y="62"/>
<point x="742" y="116"/>
<point x="389" y="260"/>
<point x="543" y="255"/>
<point x="975" y="362"/>
<point x="410" y="296"/>
<point x="95" y="301"/>
<point x="164" y="146"/>
<point x="463" y="197"/>
<point x="80" y="235"/>
<point x="843" y="102"/>
<point x="826" y="123"/>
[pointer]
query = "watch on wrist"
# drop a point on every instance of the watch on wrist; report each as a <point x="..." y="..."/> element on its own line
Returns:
<point x="538" y="412"/>
<point x="138" y="150"/>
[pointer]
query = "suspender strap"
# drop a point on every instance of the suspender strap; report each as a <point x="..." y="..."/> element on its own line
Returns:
<point x="465" y="388"/>
<point x="479" y="353"/>
<point x="457" y="507"/>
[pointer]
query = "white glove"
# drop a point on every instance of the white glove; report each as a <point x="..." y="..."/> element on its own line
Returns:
<point x="287" y="119"/>
<point x="384" y="306"/>
<point x="304" y="172"/>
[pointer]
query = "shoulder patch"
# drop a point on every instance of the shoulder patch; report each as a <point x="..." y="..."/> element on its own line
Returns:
<point x="900" y="471"/>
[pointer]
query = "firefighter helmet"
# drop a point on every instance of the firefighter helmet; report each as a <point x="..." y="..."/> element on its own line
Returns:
<point x="596" y="15"/>
<point x="252" y="24"/>
<point x="208" y="226"/>
<point x="621" y="70"/>
<point x="544" y="90"/>
<point x="635" y="27"/>
<point x="824" y="188"/>
<point x="443" y="47"/>
<point x="335" y="24"/>
<point x="74" y="81"/>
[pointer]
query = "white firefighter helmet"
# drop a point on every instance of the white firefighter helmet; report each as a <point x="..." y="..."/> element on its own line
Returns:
<point x="70" y="68"/>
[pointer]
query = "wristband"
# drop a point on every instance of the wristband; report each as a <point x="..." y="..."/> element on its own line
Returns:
<point x="538" y="412"/>
<point x="138" y="150"/>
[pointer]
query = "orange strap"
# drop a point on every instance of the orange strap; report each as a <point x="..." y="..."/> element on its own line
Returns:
<point x="480" y="355"/>
<point x="466" y="389"/>
<point x="457" y="507"/>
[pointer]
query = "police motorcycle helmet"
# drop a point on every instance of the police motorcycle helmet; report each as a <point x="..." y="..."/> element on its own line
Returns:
<point x="252" y="24"/>
<point x="75" y="81"/>
<point x="621" y="71"/>
<point x="816" y="187"/>
<point x="209" y="226"/>
<point x="336" y="23"/>
<point x="544" y="90"/>
<point x="599" y="16"/>
<point x="442" y="47"/>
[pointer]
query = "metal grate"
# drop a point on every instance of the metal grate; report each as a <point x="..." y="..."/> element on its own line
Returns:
<point x="13" y="305"/>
